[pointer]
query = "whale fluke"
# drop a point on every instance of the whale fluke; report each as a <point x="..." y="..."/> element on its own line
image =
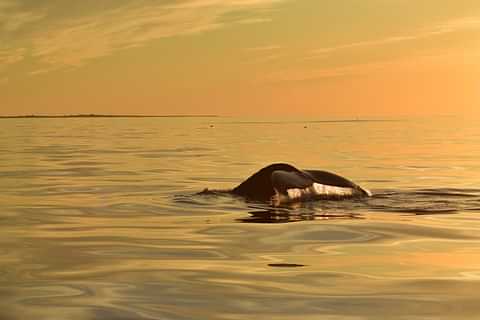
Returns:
<point x="281" y="182"/>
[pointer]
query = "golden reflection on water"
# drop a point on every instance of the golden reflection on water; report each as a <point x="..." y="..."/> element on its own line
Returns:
<point x="100" y="221"/>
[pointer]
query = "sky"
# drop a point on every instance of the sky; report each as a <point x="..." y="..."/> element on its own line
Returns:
<point x="322" y="58"/>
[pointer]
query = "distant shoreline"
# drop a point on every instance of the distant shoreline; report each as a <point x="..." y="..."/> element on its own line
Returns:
<point x="33" y="116"/>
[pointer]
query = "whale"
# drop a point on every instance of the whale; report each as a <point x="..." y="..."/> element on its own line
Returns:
<point x="283" y="183"/>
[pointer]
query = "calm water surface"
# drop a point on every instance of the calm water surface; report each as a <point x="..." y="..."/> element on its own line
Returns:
<point x="100" y="220"/>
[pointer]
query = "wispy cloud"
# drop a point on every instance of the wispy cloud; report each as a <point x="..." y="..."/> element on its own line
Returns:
<point x="321" y="73"/>
<point x="13" y="16"/>
<point x="264" y="54"/>
<point x="302" y="74"/>
<point x="446" y="27"/>
<point x="254" y="20"/>
<point x="361" y="69"/>
<point x="71" y="42"/>
<point x="264" y="48"/>
<point x="10" y="56"/>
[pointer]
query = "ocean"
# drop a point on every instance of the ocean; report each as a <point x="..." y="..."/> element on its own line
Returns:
<point x="101" y="219"/>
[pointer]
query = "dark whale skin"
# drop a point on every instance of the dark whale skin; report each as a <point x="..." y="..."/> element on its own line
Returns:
<point x="279" y="177"/>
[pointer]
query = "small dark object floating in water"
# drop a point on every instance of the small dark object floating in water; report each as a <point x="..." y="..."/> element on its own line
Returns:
<point x="285" y="265"/>
<point x="283" y="183"/>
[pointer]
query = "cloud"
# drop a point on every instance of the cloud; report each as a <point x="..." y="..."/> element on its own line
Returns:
<point x="71" y="42"/>
<point x="421" y="61"/>
<point x="9" y="56"/>
<point x="327" y="72"/>
<point x="263" y="54"/>
<point x="458" y="24"/>
<point x="254" y="20"/>
<point x="446" y="27"/>
<point x="218" y="3"/>
<point x="263" y="48"/>
<point x="13" y="17"/>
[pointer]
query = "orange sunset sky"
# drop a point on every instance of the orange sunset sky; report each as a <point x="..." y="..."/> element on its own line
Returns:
<point x="325" y="58"/>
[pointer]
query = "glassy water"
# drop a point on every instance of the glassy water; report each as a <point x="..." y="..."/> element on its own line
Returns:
<point x="100" y="220"/>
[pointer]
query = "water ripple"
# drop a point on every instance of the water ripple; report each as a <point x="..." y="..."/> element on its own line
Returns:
<point x="101" y="219"/>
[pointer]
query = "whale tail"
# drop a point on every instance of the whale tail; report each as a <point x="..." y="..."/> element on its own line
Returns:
<point x="287" y="183"/>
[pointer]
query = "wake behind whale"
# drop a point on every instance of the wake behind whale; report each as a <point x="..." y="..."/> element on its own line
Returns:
<point x="282" y="183"/>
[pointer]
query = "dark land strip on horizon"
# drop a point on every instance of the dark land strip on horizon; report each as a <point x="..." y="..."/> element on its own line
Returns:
<point x="326" y="121"/>
<point x="33" y="116"/>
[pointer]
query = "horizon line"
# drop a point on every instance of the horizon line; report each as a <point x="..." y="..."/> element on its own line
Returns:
<point x="94" y="115"/>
